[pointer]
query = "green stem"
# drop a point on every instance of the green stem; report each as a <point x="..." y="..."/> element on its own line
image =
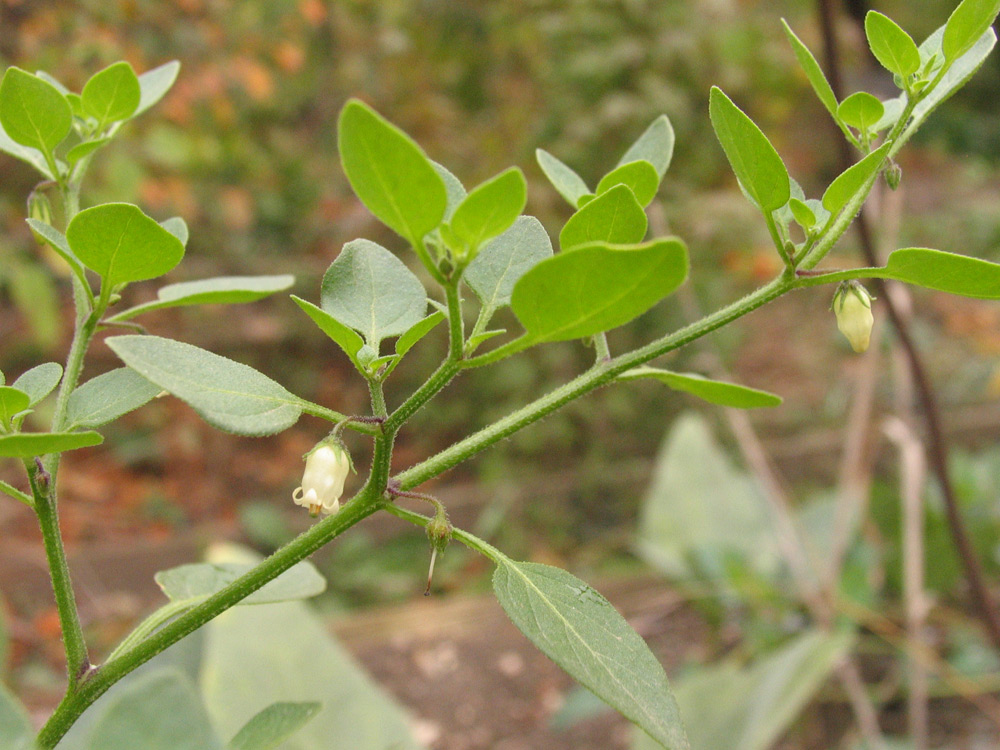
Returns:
<point x="335" y="416"/>
<point x="15" y="493"/>
<point x="149" y="626"/>
<point x="509" y="349"/>
<point x="456" y="325"/>
<point x="779" y="243"/>
<point x="471" y="541"/>
<point x="377" y="398"/>
<point x="603" y="353"/>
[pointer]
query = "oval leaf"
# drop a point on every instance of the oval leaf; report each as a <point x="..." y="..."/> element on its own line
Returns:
<point x="802" y="213"/>
<point x="824" y="92"/>
<point x="12" y="402"/>
<point x="498" y="266"/>
<point x="655" y="145"/>
<point x="614" y="217"/>
<point x="29" y="444"/>
<point x="566" y="182"/>
<point x="713" y="391"/>
<point x="273" y="725"/>
<point x="198" y="581"/>
<point x="967" y="23"/>
<point x="111" y="95"/>
<point x="489" y="209"/>
<point x="38" y="382"/>
<point x="32" y="111"/>
<point x="640" y="177"/>
<point x="155" y="83"/>
<point x="106" y="397"/>
<point x="852" y="179"/>
<point x="596" y="288"/>
<point x="945" y="272"/>
<point x="861" y="111"/>
<point x="580" y="631"/>
<point x="892" y="46"/>
<point x="228" y="395"/>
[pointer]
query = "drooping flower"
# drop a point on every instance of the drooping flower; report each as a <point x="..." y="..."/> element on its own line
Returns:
<point x="327" y="467"/>
<point x="852" y="304"/>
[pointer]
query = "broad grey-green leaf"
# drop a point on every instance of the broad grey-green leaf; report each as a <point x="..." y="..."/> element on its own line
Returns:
<point x="966" y="24"/>
<point x="861" y="111"/>
<point x="273" y="725"/>
<point x="580" y="631"/>
<point x="228" y="395"/>
<point x="597" y="287"/>
<point x="489" y="210"/>
<point x="655" y="145"/>
<point x="852" y="179"/>
<point x="417" y="331"/>
<point x="177" y="227"/>
<point x="15" y="726"/>
<point x="347" y="339"/>
<point x="122" y="244"/>
<point x="31" y="156"/>
<point x="57" y="241"/>
<point x="12" y="402"/>
<point x="944" y="272"/>
<point x="390" y="173"/>
<point x="498" y="266"/>
<point x="566" y="182"/>
<point x="892" y="46"/>
<point x="614" y="217"/>
<point x="222" y="290"/>
<point x="639" y="176"/>
<point x="155" y="83"/>
<point x="453" y="187"/>
<point x="160" y="712"/>
<point x="757" y="165"/>
<point x="30" y="444"/>
<point x="713" y="391"/>
<point x="112" y="94"/>
<point x="893" y="108"/>
<point x="814" y="73"/>
<point x="372" y="291"/>
<point x="32" y="111"/>
<point x="198" y="581"/>
<point x="39" y="381"/>
<point x="104" y="398"/>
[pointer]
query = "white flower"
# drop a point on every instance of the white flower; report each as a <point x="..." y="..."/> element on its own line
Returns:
<point x="326" y="471"/>
<point x="853" y="307"/>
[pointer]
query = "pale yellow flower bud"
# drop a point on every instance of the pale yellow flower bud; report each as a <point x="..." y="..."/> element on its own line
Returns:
<point x="326" y="471"/>
<point x="853" y="307"/>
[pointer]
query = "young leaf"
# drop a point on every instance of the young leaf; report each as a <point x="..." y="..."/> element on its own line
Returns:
<point x="967" y="23"/>
<point x="945" y="272"/>
<point x="12" y="402"/>
<point x="580" y="631"/>
<point x="453" y="187"/>
<point x="32" y="111"/>
<point x="417" y="331"/>
<point x="196" y="582"/>
<point x="154" y="84"/>
<point x="341" y="335"/>
<point x="597" y="287"/>
<point x="372" y="291"/>
<point x="498" y="266"/>
<point x="861" y="111"/>
<point x="222" y="290"/>
<point x="106" y="397"/>
<point x="111" y="95"/>
<point x="122" y="244"/>
<point x="752" y="157"/>
<point x="15" y="726"/>
<point x="814" y="73"/>
<point x="228" y="395"/>
<point x="390" y="173"/>
<point x="29" y="444"/>
<point x="892" y="46"/>
<point x="713" y="391"/>
<point x="39" y="381"/>
<point x="274" y="725"/>
<point x="489" y="209"/>
<point x="655" y="145"/>
<point x="86" y="148"/>
<point x="614" y="217"/>
<point x="802" y="213"/>
<point x="639" y="176"/>
<point x="566" y="182"/>
<point x="852" y="179"/>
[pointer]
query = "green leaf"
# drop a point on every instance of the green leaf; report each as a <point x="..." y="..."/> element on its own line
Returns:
<point x="752" y="157"/>
<point x="966" y="24"/>
<point x="812" y="70"/>
<point x="31" y="156"/>
<point x="614" y="217"/>
<point x="111" y="95"/>
<point x="489" y="209"/>
<point x="86" y="148"/>
<point x="861" y="111"/>
<point x="273" y="725"/>
<point x="566" y="182"/>
<point x="945" y="272"/>
<point x="122" y="244"/>
<point x="417" y="331"/>
<point x="13" y="401"/>
<point x="30" y="444"/>
<point x="15" y="726"/>
<point x="57" y="242"/>
<point x="372" y="291"/>
<point x="453" y="187"/>
<point x="655" y="145"/>
<point x="390" y="173"/>
<point x="893" y="109"/>
<point x="498" y="266"/>
<point x="32" y="111"/>
<point x="343" y="336"/>
<point x="802" y="213"/>
<point x="106" y="397"/>
<point x="640" y="177"/>
<point x="713" y="391"/>
<point x="196" y="582"/>
<point x="580" y="631"/>
<point x="155" y="83"/>
<point x="222" y="290"/>
<point x="39" y="381"/>
<point x="892" y="46"/>
<point x="162" y="711"/>
<point x="852" y="179"/>
<point x="597" y="287"/>
<point x="228" y="395"/>
<point x="177" y="227"/>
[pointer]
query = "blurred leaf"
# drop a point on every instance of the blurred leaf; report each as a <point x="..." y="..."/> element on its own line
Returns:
<point x="112" y="94"/>
<point x="12" y="402"/>
<point x="614" y="217"/>
<point x="893" y="108"/>
<point x="177" y="227"/>
<point x="36" y="295"/>
<point x="417" y="331"/>
<point x="861" y="111"/>
<point x="566" y="182"/>
<point x="852" y="179"/>
<point x="640" y="177"/>
<point x="713" y="391"/>
<point x="39" y="381"/>
<point x="655" y="145"/>
<point x="222" y="290"/>
<point x="945" y="272"/>
<point x="349" y="341"/>
<point x="15" y="726"/>
<point x="892" y="46"/>
<point x="106" y="397"/>
<point x="966" y="25"/>
<point x="489" y="210"/>
<point x="33" y="112"/>
<point x="155" y="83"/>
<point x="196" y="582"/>
<point x="497" y="267"/>
<point x="813" y="72"/>
<point x="30" y="444"/>
<point x="273" y="725"/>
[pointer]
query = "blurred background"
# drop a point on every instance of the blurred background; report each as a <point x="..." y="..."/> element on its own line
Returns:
<point x="244" y="149"/>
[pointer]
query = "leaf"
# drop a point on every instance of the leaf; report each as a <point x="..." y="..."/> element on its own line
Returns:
<point x="417" y="331"/>
<point x="86" y="148"/>
<point x="566" y="182"/>
<point x="614" y="217"/>
<point x="802" y="213"/>
<point x="55" y="239"/>
<point x="122" y="244"/>
<point x="106" y="397"/>
<point x="228" y="395"/>
<point x="713" y="391"/>
<point x="33" y="112"/>
<point x="15" y="726"/>
<point x="640" y="177"/>
<point x="155" y="83"/>
<point x="31" y="156"/>
<point x="30" y="444"/>
<point x="597" y="287"/>
<point x="372" y="291"/>
<point x="162" y="711"/>
<point x="752" y="157"/>
<point x="177" y="227"/>
<point x="273" y="725"/>
<point x="861" y="111"/>
<point x="944" y="272"/>
<point x="13" y="401"/>
<point x="112" y="94"/>
<point x="196" y="582"/>
<point x="496" y="269"/>
<point x="453" y="187"/>
<point x="892" y="46"/>
<point x="343" y="336"/>
<point x="580" y="631"/>
<point x="222" y="290"/>
<point x="893" y="109"/>
<point x="390" y="173"/>
<point x="852" y="179"/>
<point x="489" y="209"/>
<point x="966" y="25"/>
<point x="39" y="381"/>
<point x="814" y="73"/>
<point x="655" y="145"/>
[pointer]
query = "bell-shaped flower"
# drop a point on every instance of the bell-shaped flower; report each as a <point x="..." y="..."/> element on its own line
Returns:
<point x="853" y="307"/>
<point x="327" y="467"/>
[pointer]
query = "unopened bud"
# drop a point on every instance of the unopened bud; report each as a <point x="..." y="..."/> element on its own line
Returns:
<point x="327" y="467"/>
<point x="893" y="174"/>
<point x="852" y="304"/>
<point x="439" y="532"/>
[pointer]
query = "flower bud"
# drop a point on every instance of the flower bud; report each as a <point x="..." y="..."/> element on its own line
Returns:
<point x="893" y="174"/>
<point x="439" y="532"/>
<point x="853" y="307"/>
<point x="327" y="467"/>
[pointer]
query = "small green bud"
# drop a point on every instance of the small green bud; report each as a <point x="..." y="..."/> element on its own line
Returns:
<point x="327" y="467"/>
<point x="852" y="304"/>
<point x="893" y="174"/>
<point x="439" y="532"/>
